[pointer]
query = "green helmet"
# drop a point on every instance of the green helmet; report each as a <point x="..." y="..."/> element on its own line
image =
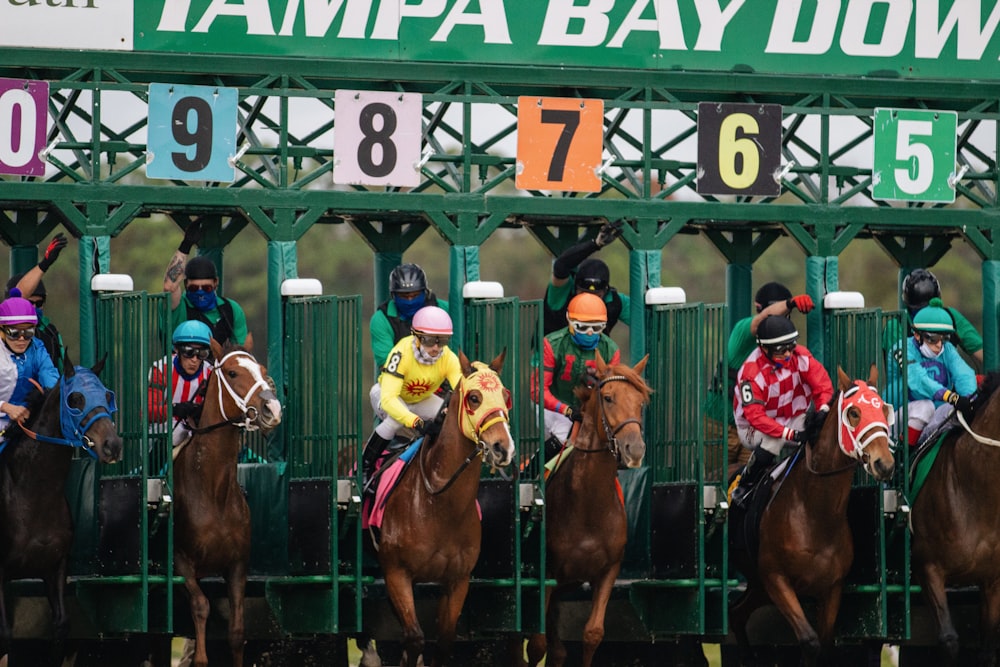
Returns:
<point x="934" y="318"/>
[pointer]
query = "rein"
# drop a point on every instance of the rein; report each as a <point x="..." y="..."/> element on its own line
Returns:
<point x="609" y="432"/>
<point x="982" y="439"/>
<point x="85" y="443"/>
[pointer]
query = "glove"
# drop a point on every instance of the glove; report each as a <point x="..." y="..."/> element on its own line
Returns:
<point x="419" y="426"/>
<point x="800" y="436"/>
<point x="186" y="409"/>
<point x="590" y="378"/>
<point x="609" y="232"/>
<point x="432" y="428"/>
<point x="573" y="415"/>
<point x="803" y="302"/>
<point x="192" y="235"/>
<point x="964" y="405"/>
<point x="55" y="247"/>
<point x="814" y="421"/>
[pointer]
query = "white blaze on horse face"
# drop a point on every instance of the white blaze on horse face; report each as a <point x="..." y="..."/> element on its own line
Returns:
<point x="253" y="368"/>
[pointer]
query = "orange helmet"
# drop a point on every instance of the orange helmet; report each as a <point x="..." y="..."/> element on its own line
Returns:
<point x="587" y="307"/>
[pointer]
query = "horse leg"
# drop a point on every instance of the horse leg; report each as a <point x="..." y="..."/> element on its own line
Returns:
<point x="5" y="628"/>
<point x="826" y="616"/>
<point x="593" y="631"/>
<point x="399" y="587"/>
<point x="55" y="586"/>
<point x="199" y="614"/>
<point x="369" y="656"/>
<point x="236" y="584"/>
<point x="449" y="608"/>
<point x="937" y="598"/>
<point x="753" y="598"/>
<point x="787" y="602"/>
<point x="556" y="650"/>
<point x="989" y="623"/>
<point x="537" y="642"/>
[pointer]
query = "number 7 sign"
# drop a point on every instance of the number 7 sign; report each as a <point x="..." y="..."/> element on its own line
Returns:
<point x="559" y="143"/>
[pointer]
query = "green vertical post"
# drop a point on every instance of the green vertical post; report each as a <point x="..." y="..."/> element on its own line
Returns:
<point x="739" y="292"/>
<point x="991" y="314"/>
<point x="282" y="263"/>
<point x="385" y="262"/>
<point x="644" y="273"/>
<point x="22" y="258"/>
<point x="821" y="278"/>
<point x="463" y="267"/>
<point x="95" y="258"/>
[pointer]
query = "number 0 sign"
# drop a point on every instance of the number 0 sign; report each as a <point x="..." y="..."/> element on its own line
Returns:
<point x="377" y="138"/>
<point x="559" y="143"/>
<point x="22" y="126"/>
<point x="192" y="132"/>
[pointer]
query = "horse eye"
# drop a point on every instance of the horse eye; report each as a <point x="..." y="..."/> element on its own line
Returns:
<point x="231" y="373"/>
<point x="475" y="398"/>
<point x="76" y="400"/>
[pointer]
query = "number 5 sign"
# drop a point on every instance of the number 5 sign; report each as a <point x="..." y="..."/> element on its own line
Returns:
<point x="22" y="126"/>
<point x="559" y="144"/>
<point x="914" y="155"/>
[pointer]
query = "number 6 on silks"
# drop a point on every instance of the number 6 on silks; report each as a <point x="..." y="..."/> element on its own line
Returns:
<point x="192" y="132"/>
<point x="376" y="138"/>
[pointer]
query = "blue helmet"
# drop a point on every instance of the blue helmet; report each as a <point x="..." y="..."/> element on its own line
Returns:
<point x="192" y="331"/>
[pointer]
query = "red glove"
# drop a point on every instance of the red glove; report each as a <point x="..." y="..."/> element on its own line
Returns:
<point x="803" y="302"/>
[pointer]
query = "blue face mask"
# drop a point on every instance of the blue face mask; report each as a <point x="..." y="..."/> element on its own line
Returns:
<point x="202" y="300"/>
<point x="407" y="308"/>
<point x="587" y="341"/>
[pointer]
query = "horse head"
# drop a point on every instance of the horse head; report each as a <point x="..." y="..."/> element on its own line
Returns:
<point x="863" y="421"/>
<point x="485" y="406"/>
<point x="86" y="407"/>
<point x="616" y="403"/>
<point x="245" y="390"/>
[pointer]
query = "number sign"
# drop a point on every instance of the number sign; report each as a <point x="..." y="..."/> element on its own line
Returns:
<point x="192" y="132"/>
<point x="559" y="143"/>
<point x="739" y="149"/>
<point x="377" y="138"/>
<point x="23" y="126"/>
<point x="914" y="155"/>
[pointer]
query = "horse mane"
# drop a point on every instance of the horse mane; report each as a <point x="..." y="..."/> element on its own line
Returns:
<point x="988" y="388"/>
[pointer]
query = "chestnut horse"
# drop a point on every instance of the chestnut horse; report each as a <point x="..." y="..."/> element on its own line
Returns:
<point x="212" y="519"/>
<point x="956" y="526"/>
<point x="36" y="529"/>
<point x="586" y="528"/>
<point x="806" y="547"/>
<point x="431" y="530"/>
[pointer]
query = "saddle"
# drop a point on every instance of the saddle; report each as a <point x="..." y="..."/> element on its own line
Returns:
<point x="744" y="521"/>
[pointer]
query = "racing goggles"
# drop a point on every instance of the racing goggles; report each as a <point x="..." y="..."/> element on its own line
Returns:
<point x="431" y="341"/>
<point x="587" y="327"/>
<point x="16" y="334"/>
<point x="781" y="348"/>
<point x="190" y="352"/>
<point x="932" y="338"/>
<point x="592" y="284"/>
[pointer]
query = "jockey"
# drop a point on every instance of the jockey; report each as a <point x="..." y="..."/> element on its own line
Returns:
<point x="774" y="388"/>
<point x="406" y="392"/>
<point x="937" y="377"/>
<point x="568" y="358"/>
<point x="191" y="340"/>
<point x="26" y="354"/>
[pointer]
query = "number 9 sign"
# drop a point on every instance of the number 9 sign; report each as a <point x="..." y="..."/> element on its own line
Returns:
<point x="22" y="126"/>
<point x="192" y="132"/>
<point x="739" y="149"/>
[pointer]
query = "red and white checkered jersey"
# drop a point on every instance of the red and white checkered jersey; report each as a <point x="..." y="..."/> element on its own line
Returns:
<point x="768" y="397"/>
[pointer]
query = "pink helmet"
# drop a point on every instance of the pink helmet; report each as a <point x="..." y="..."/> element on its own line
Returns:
<point x="432" y="320"/>
<point x="15" y="310"/>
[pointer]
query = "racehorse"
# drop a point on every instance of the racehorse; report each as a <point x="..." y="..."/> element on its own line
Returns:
<point x="36" y="530"/>
<point x="212" y="520"/>
<point x="806" y="547"/>
<point x="431" y="529"/>
<point x="587" y="528"/>
<point x="955" y="526"/>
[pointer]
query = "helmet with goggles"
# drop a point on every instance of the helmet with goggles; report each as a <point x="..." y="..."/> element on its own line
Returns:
<point x="776" y="332"/>
<point x="192" y="331"/>
<point x="433" y="321"/>
<point x="16" y="310"/>
<point x="587" y="307"/>
<point x="934" y="319"/>
<point x="592" y="276"/>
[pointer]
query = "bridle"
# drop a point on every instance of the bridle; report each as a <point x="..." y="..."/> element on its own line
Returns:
<point x="248" y="417"/>
<point x="853" y="440"/>
<point x="609" y="431"/>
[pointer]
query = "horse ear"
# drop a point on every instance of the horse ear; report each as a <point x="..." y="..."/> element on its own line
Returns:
<point x="601" y="365"/>
<point x="216" y="349"/>
<point x="248" y="343"/>
<point x="641" y="366"/>
<point x="497" y="364"/>
<point x="97" y="368"/>
<point x="463" y="360"/>
<point x="842" y="380"/>
<point x="873" y="376"/>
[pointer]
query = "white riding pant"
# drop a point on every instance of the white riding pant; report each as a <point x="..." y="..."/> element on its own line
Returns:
<point x="923" y="416"/>
<point x="558" y="425"/>
<point x="752" y="438"/>
<point x="426" y="409"/>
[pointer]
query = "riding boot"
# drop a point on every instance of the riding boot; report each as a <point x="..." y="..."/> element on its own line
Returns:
<point x="373" y="450"/>
<point x="759" y="462"/>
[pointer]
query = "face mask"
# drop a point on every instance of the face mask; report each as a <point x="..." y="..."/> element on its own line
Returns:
<point x="408" y="308"/>
<point x="929" y="353"/>
<point x="202" y="300"/>
<point x="587" y="341"/>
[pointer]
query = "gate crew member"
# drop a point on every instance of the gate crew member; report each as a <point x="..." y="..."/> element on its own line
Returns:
<point x="392" y="321"/>
<point x="568" y="357"/>
<point x="774" y="388"/>
<point x="405" y="395"/>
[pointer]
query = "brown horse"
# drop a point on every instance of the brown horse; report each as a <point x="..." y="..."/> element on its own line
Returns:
<point x="212" y="520"/>
<point x="586" y="529"/>
<point x="806" y="546"/>
<point x="36" y="531"/>
<point x="431" y="530"/>
<point x="956" y="526"/>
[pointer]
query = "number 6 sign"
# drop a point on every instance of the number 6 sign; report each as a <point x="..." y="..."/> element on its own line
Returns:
<point x="22" y="126"/>
<point x="739" y="149"/>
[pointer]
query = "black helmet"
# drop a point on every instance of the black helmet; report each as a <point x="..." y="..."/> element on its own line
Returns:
<point x="407" y="278"/>
<point x="592" y="275"/>
<point x="776" y="330"/>
<point x="200" y="268"/>
<point x="919" y="288"/>
<point x="771" y="293"/>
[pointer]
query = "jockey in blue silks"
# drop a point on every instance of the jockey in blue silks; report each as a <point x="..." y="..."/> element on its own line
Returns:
<point x="25" y="359"/>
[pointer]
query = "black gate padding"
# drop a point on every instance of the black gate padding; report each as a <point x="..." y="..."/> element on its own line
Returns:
<point x="496" y="556"/>
<point x="863" y="516"/>
<point x="635" y="487"/>
<point x="674" y="533"/>
<point x="120" y="549"/>
<point x="266" y="489"/>
<point x="309" y="526"/>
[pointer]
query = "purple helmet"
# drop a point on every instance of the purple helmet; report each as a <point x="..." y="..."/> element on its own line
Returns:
<point x="16" y="310"/>
<point x="432" y="320"/>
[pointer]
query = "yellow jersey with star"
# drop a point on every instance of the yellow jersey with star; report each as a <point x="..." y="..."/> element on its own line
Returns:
<point x="404" y="380"/>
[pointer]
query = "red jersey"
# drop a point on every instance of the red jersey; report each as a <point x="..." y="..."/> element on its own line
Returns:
<point x="185" y="388"/>
<point x="768" y="397"/>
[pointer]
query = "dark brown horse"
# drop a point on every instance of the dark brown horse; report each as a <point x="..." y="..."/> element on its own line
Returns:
<point x="806" y="547"/>
<point x="586" y="528"/>
<point x="36" y="530"/>
<point x="212" y="520"/>
<point x="431" y="530"/>
<point x="956" y="524"/>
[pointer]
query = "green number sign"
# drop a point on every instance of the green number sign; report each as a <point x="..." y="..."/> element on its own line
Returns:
<point x="739" y="149"/>
<point x="914" y="155"/>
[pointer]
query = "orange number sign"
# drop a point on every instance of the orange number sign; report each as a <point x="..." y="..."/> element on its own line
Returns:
<point x="559" y="143"/>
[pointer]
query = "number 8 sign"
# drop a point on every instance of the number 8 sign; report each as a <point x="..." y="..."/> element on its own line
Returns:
<point x="377" y="138"/>
<point x="22" y="126"/>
